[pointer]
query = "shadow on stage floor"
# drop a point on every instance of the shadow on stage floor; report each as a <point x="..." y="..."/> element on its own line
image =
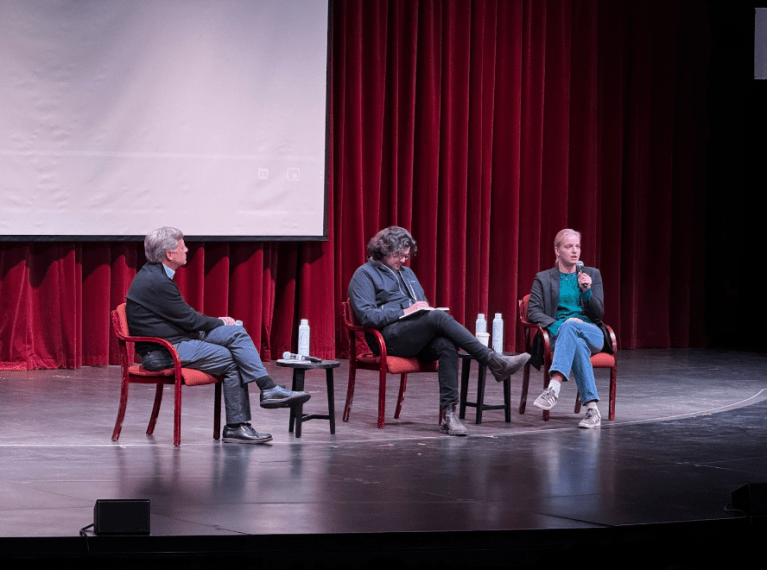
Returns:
<point x="651" y="489"/>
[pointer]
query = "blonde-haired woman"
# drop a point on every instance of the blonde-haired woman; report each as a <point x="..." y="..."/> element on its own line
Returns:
<point x="568" y="301"/>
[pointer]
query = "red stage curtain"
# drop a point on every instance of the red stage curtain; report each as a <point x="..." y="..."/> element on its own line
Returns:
<point x="485" y="127"/>
<point x="482" y="126"/>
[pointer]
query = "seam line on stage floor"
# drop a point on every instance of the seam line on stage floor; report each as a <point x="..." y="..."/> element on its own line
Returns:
<point x="760" y="396"/>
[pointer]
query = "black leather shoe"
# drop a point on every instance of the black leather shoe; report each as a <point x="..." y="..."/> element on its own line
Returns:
<point x="281" y="397"/>
<point x="244" y="433"/>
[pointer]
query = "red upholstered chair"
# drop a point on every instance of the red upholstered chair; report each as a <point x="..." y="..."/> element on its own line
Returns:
<point x="598" y="360"/>
<point x="364" y="359"/>
<point x="176" y="376"/>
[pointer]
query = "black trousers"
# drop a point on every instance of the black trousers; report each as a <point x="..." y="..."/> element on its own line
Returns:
<point x="435" y="335"/>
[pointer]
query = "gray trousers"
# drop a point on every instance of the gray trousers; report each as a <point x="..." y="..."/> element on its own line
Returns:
<point x="226" y="351"/>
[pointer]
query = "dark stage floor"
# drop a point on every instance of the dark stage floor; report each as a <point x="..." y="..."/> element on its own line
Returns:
<point x="690" y="429"/>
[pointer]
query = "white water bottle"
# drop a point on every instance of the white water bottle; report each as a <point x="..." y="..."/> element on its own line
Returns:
<point x="303" y="337"/>
<point x="481" y="326"/>
<point x="498" y="333"/>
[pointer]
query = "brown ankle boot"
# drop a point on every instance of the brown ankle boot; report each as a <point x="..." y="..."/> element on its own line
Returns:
<point x="451" y="425"/>
<point x="504" y="366"/>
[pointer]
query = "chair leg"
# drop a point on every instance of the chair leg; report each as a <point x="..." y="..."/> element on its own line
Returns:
<point x="611" y="401"/>
<point x="525" y="386"/>
<point x="155" y="409"/>
<point x="400" y="396"/>
<point x="507" y="400"/>
<point x="381" y="398"/>
<point x="331" y="399"/>
<point x="177" y="417"/>
<point x="350" y="392"/>
<point x="481" y="377"/>
<point x="465" y="370"/>
<point x="121" y="411"/>
<point x="217" y="411"/>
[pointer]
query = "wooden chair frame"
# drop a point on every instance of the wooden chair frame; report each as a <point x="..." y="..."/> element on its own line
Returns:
<point x="598" y="360"/>
<point x="384" y="364"/>
<point x="177" y="377"/>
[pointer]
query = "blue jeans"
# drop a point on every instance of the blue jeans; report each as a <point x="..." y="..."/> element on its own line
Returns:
<point x="226" y="351"/>
<point x="575" y="342"/>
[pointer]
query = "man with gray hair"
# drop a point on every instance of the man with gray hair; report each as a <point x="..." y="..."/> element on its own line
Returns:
<point x="155" y="307"/>
<point x="386" y="295"/>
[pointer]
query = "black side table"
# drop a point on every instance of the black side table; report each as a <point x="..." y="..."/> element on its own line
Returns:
<point x="480" y="403"/>
<point x="297" y="415"/>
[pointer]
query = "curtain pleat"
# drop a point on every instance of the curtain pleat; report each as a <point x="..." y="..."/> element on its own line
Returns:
<point x="484" y="127"/>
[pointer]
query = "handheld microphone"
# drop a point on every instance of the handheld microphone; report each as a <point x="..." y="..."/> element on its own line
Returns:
<point x="292" y="356"/>
<point x="579" y="271"/>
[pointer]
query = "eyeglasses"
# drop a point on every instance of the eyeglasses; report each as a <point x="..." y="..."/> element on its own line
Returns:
<point x="402" y="256"/>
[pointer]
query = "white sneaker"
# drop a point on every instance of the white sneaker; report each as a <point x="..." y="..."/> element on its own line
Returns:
<point x="592" y="419"/>
<point x="547" y="399"/>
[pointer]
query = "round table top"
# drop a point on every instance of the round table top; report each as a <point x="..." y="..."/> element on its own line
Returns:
<point x="307" y="364"/>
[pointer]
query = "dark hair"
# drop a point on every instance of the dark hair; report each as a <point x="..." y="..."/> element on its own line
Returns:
<point x="393" y="239"/>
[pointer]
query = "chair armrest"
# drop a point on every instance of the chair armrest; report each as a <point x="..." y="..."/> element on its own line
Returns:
<point x="157" y="340"/>
<point x="613" y="338"/>
<point x="376" y="334"/>
<point x="530" y="331"/>
<point x="350" y="322"/>
<point x="546" y="336"/>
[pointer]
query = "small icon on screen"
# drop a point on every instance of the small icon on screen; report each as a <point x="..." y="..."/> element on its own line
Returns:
<point x="294" y="174"/>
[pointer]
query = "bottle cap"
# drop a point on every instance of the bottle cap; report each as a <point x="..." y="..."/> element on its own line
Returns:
<point x="498" y="315"/>
<point x="304" y="321"/>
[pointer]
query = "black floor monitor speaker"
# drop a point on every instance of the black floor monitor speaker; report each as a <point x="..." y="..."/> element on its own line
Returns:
<point x="121" y="516"/>
<point x="751" y="498"/>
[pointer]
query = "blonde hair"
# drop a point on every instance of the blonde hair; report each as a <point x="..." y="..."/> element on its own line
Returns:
<point x="559" y="238"/>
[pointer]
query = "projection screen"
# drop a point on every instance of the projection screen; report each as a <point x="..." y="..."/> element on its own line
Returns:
<point x="121" y="116"/>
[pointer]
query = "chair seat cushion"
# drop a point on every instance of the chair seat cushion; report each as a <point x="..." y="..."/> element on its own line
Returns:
<point x="190" y="376"/>
<point x="397" y="364"/>
<point x="602" y="360"/>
